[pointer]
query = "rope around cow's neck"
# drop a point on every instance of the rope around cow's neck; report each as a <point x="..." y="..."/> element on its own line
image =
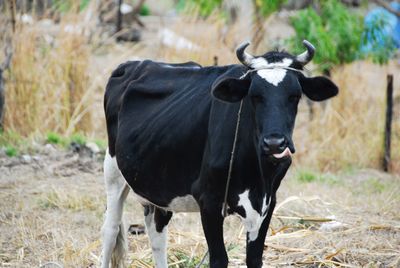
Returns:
<point x="228" y="180"/>
<point x="271" y="68"/>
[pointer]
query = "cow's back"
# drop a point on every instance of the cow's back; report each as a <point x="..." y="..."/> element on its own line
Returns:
<point x="124" y="77"/>
<point x="157" y="117"/>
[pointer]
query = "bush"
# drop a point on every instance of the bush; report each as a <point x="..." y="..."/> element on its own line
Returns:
<point x="11" y="151"/>
<point x="144" y="10"/>
<point x="337" y="33"/>
<point x="340" y="35"/>
<point x="53" y="138"/>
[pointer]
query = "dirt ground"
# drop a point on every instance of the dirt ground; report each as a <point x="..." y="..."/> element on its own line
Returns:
<point x="52" y="206"/>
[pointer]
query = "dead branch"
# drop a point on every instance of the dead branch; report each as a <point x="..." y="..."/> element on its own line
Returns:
<point x="136" y="11"/>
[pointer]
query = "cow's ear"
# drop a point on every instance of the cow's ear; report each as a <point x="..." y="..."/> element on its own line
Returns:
<point x="230" y="89"/>
<point x="318" y="88"/>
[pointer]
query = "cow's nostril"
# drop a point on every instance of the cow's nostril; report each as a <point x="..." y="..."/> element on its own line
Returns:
<point x="274" y="145"/>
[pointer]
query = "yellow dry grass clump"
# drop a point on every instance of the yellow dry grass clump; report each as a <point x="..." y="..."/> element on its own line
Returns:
<point x="347" y="131"/>
<point x="47" y="86"/>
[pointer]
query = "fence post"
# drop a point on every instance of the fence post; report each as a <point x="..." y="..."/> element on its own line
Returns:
<point x="118" y="25"/>
<point x="1" y="99"/>
<point x="388" y="122"/>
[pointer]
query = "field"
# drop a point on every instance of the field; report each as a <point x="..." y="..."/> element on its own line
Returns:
<point x="335" y="207"/>
<point x="52" y="210"/>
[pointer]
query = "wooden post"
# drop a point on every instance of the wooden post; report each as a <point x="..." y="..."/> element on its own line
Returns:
<point x="12" y="11"/>
<point x="119" y="17"/>
<point x="215" y="60"/>
<point x="388" y="122"/>
<point x="1" y="99"/>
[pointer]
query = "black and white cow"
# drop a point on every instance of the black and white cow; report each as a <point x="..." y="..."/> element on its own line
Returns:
<point x="171" y="129"/>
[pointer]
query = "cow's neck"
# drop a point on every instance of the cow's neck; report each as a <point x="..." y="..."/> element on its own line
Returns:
<point x="259" y="172"/>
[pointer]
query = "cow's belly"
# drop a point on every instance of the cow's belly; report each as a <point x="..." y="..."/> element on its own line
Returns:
<point x="175" y="202"/>
<point x="185" y="203"/>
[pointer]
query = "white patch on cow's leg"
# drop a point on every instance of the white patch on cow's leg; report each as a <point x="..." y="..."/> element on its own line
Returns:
<point x="158" y="240"/>
<point x="114" y="233"/>
<point x="253" y="220"/>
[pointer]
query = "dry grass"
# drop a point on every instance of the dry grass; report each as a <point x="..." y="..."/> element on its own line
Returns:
<point x="52" y="211"/>
<point x="47" y="86"/>
<point x="348" y="131"/>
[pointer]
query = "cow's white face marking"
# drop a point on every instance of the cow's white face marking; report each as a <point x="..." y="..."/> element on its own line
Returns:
<point x="253" y="220"/>
<point x="273" y="76"/>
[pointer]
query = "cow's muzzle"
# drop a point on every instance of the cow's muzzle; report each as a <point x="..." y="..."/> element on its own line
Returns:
<point x="276" y="146"/>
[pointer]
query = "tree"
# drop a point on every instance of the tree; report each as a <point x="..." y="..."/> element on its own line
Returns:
<point x="338" y="33"/>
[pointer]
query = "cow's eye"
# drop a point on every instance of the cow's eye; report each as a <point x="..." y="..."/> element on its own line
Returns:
<point x="294" y="98"/>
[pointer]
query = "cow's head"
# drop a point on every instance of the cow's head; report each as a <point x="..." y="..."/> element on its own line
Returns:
<point x="274" y="83"/>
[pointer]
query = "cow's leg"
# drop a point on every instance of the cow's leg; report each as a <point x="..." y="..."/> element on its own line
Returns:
<point x="212" y="220"/>
<point x="114" y="234"/>
<point x="255" y="248"/>
<point x="156" y="221"/>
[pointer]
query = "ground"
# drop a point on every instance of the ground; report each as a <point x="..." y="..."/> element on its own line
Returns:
<point x="52" y="205"/>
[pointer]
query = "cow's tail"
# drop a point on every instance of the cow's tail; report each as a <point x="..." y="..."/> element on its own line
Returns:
<point x="121" y="248"/>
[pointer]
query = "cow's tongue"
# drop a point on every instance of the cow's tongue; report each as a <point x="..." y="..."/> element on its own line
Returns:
<point x="286" y="152"/>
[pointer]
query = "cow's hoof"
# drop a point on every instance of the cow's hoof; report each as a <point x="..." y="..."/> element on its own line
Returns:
<point x="219" y="264"/>
<point x="254" y="264"/>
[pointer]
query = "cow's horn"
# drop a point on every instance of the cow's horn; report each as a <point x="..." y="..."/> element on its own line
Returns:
<point x="243" y="56"/>
<point x="307" y="55"/>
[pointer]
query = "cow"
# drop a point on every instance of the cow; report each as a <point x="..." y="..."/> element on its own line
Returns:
<point x="171" y="129"/>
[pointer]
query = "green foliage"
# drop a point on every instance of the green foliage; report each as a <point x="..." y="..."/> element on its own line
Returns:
<point x="9" y="138"/>
<point x="267" y="7"/>
<point x="205" y="7"/>
<point x="64" y="6"/>
<point x="54" y="138"/>
<point x="11" y="151"/>
<point x="306" y="176"/>
<point x="336" y="33"/>
<point x="78" y="138"/>
<point x="144" y="10"/>
<point x="11" y="142"/>
<point x="383" y="46"/>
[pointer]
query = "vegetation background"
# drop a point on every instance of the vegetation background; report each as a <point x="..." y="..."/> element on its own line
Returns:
<point x="52" y="136"/>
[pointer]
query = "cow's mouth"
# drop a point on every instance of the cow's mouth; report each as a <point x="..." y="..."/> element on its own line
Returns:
<point x="279" y="157"/>
<point x="283" y="155"/>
